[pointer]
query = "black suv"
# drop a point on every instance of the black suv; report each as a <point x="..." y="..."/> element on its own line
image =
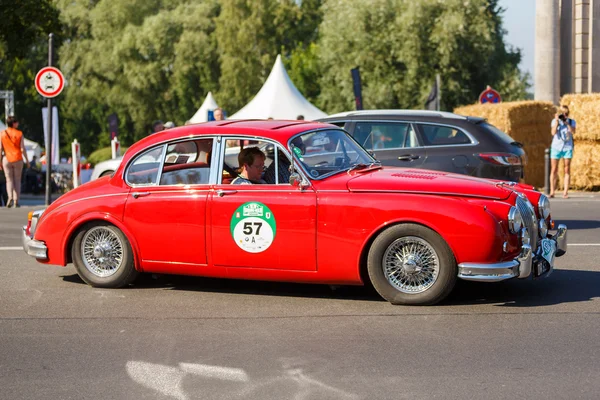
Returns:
<point x="435" y="140"/>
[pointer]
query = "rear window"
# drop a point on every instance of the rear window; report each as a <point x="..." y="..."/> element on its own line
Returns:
<point x="491" y="129"/>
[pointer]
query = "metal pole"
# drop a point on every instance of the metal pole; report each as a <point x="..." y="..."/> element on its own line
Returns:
<point x="438" y="81"/>
<point x="49" y="142"/>
<point x="547" y="171"/>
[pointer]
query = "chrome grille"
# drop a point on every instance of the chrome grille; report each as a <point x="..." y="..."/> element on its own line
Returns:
<point x="529" y="219"/>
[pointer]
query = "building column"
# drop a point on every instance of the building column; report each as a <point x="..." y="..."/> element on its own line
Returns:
<point x="582" y="46"/>
<point x="547" y="50"/>
<point x="594" y="65"/>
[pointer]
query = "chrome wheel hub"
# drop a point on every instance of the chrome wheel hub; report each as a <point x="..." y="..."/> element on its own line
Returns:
<point x="411" y="265"/>
<point x="102" y="251"/>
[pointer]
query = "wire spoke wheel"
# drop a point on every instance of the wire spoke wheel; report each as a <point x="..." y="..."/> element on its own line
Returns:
<point x="102" y="251"/>
<point x="411" y="265"/>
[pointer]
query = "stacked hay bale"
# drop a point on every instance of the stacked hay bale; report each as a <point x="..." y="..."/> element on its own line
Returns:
<point x="527" y="122"/>
<point x="585" y="166"/>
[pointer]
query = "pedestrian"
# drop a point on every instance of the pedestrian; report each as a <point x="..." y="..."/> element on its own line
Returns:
<point x="157" y="126"/>
<point x="12" y="152"/>
<point x="218" y="114"/>
<point x="300" y="117"/>
<point x="562" y="129"/>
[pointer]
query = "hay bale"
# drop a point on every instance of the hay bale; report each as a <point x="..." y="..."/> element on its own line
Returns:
<point x="585" y="168"/>
<point x="527" y="122"/>
<point x="584" y="108"/>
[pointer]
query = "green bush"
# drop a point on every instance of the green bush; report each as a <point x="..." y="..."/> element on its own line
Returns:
<point x="102" y="155"/>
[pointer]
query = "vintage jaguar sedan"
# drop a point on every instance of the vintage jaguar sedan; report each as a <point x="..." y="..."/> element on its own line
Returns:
<point x="328" y="213"/>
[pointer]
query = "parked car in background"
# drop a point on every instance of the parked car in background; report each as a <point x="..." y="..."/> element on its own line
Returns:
<point x="106" y="168"/>
<point x="329" y="214"/>
<point x="435" y="140"/>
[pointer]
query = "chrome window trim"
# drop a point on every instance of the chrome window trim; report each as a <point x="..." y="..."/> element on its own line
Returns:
<point x="187" y="139"/>
<point x="223" y="147"/>
<point x="139" y="154"/>
<point x="474" y="142"/>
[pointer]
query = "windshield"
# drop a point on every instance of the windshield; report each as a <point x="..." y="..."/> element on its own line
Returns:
<point x="324" y="153"/>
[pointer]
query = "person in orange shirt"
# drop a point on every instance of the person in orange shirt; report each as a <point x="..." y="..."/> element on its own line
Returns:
<point x="12" y="152"/>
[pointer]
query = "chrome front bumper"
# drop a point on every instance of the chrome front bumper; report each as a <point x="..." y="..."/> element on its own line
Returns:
<point x="521" y="267"/>
<point x="33" y="247"/>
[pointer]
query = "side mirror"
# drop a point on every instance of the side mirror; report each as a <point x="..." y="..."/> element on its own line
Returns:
<point x="295" y="179"/>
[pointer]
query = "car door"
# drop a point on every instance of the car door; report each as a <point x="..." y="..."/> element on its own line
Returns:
<point x="261" y="226"/>
<point x="449" y="148"/>
<point x="166" y="206"/>
<point x="393" y="143"/>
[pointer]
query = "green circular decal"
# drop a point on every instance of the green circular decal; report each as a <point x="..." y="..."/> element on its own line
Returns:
<point x="253" y="227"/>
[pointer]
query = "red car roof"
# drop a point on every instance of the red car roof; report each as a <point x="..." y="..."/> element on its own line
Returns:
<point x="278" y="130"/>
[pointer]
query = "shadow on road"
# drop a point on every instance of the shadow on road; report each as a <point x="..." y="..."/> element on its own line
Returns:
<point x="563" y="286"/>
<point x="579" y="224"/>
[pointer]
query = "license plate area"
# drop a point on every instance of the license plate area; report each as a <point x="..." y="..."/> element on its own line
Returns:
<point x="545" y="262"/>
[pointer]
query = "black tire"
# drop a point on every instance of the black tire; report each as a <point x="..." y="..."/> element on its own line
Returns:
<point x="436" y="283"/>
<point x="111" y="264"/>
<point x="106" y="173"/>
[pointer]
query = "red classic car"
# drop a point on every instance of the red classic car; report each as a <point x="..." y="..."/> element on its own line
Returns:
<point x="326" y="212"/>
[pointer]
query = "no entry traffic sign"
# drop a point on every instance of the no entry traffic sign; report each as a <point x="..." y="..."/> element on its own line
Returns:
<point x="489" y="95"/>
<point x="49" y="82"/>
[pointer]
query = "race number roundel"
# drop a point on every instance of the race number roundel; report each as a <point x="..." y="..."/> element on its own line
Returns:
<point x="49" y="82"/>
<point x="253" y="227"/>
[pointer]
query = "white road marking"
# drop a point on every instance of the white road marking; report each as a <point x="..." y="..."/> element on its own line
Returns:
<point x="12" y="248"/>
<point x="583" y="244"/>
<point x="212" y="371"/>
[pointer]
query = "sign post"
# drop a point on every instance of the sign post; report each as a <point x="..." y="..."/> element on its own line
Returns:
<point x="489" y="95"/>
<point x="115" y="148"/>
<point x="49" y="82"/>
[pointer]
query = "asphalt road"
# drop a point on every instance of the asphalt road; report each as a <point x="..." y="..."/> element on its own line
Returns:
<point x="175" y="337"/>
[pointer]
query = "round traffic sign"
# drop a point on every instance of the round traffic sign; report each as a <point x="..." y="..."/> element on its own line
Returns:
<point x="489" y="95"/>
<point x="49" y="82"/>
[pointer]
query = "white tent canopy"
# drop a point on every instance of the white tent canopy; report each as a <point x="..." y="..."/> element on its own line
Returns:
<point x="202" y="113"/>
<point x="279" y="99"/>
<point x="33" y="148"/>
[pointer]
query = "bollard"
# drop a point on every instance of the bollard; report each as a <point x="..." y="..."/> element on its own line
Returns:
<point x="115" y="147"/>
<point x="547" y="171"/>
<point x="76" y="160"/>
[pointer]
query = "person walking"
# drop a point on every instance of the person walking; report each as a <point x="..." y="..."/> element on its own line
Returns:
<point x="562" y="129"/>
<point x="12" y="152"/>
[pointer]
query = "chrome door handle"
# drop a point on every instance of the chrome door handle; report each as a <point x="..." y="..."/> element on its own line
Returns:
<point x="408" y="157"/>
<point x="222" y="193"/>
<point x="140" y="194"/>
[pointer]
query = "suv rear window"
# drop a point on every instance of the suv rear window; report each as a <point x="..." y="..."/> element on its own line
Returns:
<point x="491" y="129"/>
<point x="439" y="135"/>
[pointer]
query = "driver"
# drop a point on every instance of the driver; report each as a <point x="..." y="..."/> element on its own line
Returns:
<point x="252" y="164"/>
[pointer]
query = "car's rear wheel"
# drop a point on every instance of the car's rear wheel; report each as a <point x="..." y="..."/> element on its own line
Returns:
<point x="411" y="264"/>
<point x="103" y="257"/>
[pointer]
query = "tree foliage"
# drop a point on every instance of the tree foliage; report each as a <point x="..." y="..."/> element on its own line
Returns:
<point x="400" y="45"/>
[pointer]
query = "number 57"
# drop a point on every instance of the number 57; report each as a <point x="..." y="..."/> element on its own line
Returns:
<point x="248" y="227"/>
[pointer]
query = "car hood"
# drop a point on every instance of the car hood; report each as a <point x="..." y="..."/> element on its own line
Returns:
<point x="423" y="181"/>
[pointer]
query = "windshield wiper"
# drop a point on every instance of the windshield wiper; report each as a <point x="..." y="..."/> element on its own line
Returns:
<point x="365" y="167"/>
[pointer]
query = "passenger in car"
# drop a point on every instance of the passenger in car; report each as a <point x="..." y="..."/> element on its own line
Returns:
<point x="252" y="164"/>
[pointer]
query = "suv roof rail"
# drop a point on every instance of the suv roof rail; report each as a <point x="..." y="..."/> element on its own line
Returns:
<point x="409" y="113"/>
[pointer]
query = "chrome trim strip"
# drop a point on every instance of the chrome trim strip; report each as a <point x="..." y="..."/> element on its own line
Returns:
<point x="427" y="193"/>
<point x="525" y="261"/>
<point x="134" y="158"/>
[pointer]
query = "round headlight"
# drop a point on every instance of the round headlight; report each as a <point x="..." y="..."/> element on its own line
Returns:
<point x="515" y="220"/>
<point x="543" y="228"/>
<point x="544" y="207"/>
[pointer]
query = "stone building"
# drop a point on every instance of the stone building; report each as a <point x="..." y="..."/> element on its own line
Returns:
<point x="567" y="48"/>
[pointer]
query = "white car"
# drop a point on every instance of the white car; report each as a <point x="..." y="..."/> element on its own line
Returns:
<point x="105" y="168"/>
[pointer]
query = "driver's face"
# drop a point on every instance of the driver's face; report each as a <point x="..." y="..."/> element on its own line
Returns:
<point x="255" y="170"/>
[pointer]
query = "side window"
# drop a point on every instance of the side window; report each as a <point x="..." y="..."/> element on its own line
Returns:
<point x="276" y="168"/>
<point x="436" y="135"/>
<point x="187" y="163"/>
<point x="385" y="135"/>
<point x="144" y="169"/>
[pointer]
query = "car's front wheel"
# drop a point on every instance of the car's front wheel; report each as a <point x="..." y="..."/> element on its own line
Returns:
<point x="411" y="264"/>
<point x="102" y="256"/>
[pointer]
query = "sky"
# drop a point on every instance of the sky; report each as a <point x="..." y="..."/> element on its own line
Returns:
<point x="519" y="22"/>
